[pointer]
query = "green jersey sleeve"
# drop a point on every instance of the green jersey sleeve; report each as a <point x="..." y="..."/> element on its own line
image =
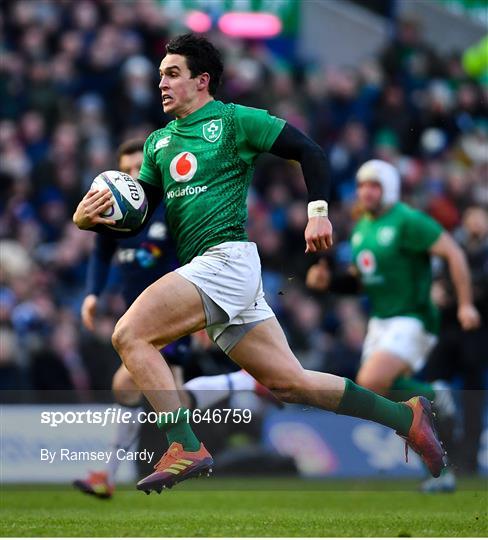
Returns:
<point x="256" y="131"/>
<point x="150" y="172"/>
<point x="420" y="231"/>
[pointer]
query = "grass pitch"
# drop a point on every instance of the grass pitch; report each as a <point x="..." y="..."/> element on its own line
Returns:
<point x="219" y="507"/>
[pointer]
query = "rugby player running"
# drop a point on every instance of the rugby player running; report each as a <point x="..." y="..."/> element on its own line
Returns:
<point x="141" y="260"/>
<point x="201" y="164"/>
<point x="392" y="244"/>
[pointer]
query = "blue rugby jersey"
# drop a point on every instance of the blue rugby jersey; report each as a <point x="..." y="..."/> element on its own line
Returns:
<point x="141" y="259"/>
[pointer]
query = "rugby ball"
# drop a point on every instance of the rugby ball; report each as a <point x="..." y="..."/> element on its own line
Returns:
<point x="130" y="206"/>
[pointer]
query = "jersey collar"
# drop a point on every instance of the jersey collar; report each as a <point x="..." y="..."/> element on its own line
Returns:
<point x="197" y="115"/>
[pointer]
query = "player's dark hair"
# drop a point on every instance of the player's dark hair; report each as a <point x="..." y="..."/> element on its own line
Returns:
<point x="131" y="146"/>
<point x="201" y="57"/>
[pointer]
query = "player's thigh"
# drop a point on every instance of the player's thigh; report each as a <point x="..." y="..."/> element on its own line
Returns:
<point x="169" y="308"/>
<point x="380" y="369"/>
<point x="265" y="354"/>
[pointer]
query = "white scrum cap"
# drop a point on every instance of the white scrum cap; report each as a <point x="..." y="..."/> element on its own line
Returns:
<point x="380" y="171"/>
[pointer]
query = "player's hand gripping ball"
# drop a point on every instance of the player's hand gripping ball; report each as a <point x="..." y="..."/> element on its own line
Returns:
<point x="130" y="206"/>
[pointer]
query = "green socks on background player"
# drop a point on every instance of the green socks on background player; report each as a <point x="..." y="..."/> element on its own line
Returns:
<point x="361" y="403"/>
<point x="405" y="388"/>
<point x="177" y="427"/>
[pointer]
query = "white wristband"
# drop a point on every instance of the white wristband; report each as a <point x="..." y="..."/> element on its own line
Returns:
<point x="318" y="209"/>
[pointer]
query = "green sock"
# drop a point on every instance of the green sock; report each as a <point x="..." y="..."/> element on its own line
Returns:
<point x="361" y="403"/>
<point x="177" y="427"/>
<point x="405" y="388"/>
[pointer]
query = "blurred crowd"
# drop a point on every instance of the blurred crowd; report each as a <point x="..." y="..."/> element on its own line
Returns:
<point x="78" y="78"/>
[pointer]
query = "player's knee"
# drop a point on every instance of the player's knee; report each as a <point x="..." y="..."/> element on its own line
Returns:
<point x="118" y="338"/>
<point x="122" y="337"/>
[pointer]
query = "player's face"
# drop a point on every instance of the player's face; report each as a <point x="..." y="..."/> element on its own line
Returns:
<point x="369" y="195"/>
<point x="179" y="92"/>
<point x="131" y="163"/>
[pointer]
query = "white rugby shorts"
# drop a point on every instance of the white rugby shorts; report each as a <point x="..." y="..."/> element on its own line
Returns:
<point x="404" y="337"/>
<point x="229" y="275"/>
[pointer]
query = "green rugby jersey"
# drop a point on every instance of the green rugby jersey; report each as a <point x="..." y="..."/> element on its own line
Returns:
<point x="391" y="254"/>
<point x="204" y="163"/>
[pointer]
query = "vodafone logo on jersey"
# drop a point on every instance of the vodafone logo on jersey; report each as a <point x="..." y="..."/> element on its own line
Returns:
<point x="366" y="261"/>
<point x="183" y="167"/>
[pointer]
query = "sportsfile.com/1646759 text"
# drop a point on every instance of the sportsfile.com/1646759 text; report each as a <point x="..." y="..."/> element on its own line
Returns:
<point x="114" y="415"/>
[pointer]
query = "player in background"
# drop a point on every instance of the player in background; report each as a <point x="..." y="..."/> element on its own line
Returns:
<point x="142" y="259"/>
<point x="201" y="164"/>
<point x="464" y="355"/>
<point x="392" y="245"/>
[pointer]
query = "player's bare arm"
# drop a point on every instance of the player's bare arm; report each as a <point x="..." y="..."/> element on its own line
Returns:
<point x="447" y="248"/>
<point x="89" y="311"/>
<point x="292" y="144"/>
<point x="97" y="277"/>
